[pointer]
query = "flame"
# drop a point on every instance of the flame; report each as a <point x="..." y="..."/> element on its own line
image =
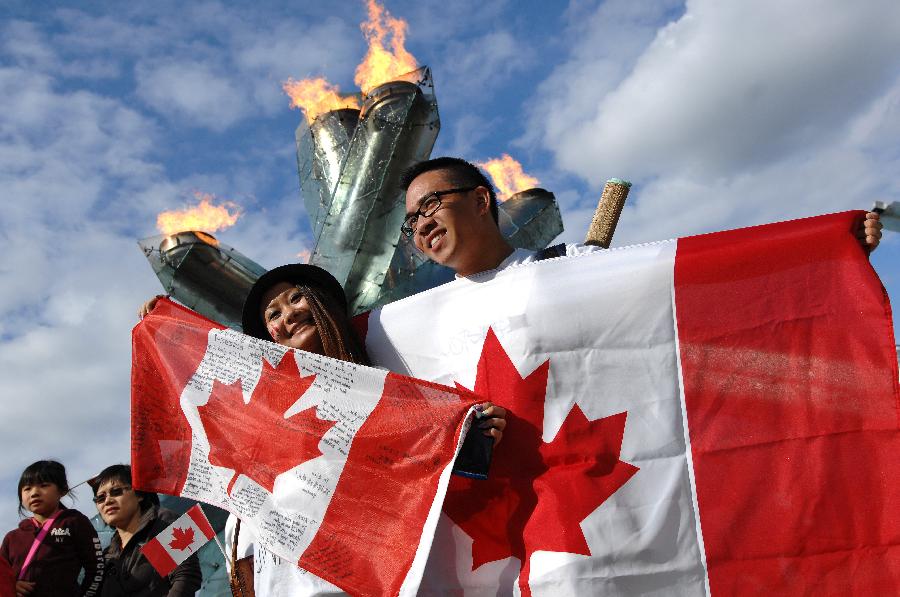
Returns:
<point x="304" y="255"/>
<point x="381" y="64"/>
<point x="205" y="216"/>
<point x="317" y="96"/>
<point x="508" y="176"/>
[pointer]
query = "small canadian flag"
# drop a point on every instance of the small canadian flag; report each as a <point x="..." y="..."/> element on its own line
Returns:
<point x="178" y="541"/>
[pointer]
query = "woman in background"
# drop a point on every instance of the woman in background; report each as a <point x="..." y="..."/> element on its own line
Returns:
<point x="137" y="518"/>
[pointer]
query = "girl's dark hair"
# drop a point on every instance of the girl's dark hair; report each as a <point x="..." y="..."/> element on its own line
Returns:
<point x="43" y="471"/>
<point x="122" y="474"/>
<point x="339" y="340"/>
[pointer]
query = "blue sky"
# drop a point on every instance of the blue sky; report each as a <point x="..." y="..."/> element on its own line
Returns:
<point x="722" y="115"/>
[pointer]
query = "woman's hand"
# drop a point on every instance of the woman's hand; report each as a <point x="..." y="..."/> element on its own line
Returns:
<point x="148" y="306"/>
<point x="23" y="588"/>
<point x="493" y="420"/>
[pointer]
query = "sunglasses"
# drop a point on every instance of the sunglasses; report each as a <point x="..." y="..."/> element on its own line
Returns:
<point x="113" y="492"/>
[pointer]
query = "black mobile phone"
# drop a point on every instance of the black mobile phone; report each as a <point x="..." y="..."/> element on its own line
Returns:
<point x="474" y="458"/>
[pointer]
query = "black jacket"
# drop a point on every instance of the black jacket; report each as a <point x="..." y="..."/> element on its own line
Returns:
<point x="128" y="572"/>
<point x="71" y="545"/>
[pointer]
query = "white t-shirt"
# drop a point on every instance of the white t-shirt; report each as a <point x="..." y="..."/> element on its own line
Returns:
<point x="522" y="256"/>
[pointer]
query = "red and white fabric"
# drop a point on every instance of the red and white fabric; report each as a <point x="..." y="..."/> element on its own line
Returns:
<point x="339" y="468"/>
<point x="712" y="415"/>
<point x="179" y="541"/>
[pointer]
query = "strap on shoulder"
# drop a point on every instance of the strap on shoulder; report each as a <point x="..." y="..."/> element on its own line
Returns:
<point x="551" y="252"/>
<point x="45" y="528"/>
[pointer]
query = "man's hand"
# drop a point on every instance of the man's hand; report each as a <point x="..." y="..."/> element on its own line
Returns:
<point x="493" y="420"/>
<point x="869" y="231"/>
<point x="23" y="588"/>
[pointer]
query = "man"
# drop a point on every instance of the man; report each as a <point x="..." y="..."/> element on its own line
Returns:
<point x="451" y="215"/>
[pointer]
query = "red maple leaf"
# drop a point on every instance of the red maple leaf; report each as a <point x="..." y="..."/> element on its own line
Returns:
<point x="537" y="493"/>
<point x="256" y="439"/>
<point x="182" y="538"/>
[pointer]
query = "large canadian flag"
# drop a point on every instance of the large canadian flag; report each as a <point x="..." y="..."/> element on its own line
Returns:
<point x="712" y="415"/>
<point x="337" y="467"/>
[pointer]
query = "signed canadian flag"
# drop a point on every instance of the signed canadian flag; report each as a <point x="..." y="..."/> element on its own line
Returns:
<point x="712" y="415"/>
<point x="337" y="467"/>
<point x="178" y="541"/>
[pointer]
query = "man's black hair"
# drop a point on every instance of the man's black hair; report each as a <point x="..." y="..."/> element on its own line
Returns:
<point x="43" y="471"/>
<point x="122" y="474"/>
<point x="463" y="173"/>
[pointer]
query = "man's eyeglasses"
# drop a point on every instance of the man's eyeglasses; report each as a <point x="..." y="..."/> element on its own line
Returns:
<point x="113" y="492"/>
<point x="427" y="207"/>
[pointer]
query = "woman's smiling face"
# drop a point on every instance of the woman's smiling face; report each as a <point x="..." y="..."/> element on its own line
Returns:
<point x="288" y="318"/>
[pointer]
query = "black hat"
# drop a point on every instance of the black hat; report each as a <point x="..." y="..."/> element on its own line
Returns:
<point x="293" y="273"/>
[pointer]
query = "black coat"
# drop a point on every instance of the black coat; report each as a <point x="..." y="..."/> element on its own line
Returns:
<point x="129" y="573"/>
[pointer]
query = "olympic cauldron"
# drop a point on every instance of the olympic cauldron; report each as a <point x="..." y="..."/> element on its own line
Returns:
<point x="356" y="209"/>
<point x="349" y="163"/>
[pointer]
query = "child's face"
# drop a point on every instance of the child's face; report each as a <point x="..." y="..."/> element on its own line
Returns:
<point x="41" y="498"/>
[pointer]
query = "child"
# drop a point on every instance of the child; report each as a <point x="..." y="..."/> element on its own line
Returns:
<point x="48" y="550"/>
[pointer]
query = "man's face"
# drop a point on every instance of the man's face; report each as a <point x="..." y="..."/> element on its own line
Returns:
<point x="450" y="235"/>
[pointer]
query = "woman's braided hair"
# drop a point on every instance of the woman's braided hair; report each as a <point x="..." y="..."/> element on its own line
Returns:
<point x="339" y="340"/>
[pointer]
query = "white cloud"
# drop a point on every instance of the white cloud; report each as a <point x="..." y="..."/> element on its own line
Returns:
<point x="63" y="157"/>
<point x="330" y="49"/>
<point x="435" y="22"/>
<point x="473" y="69"/>
<point x="24" y="43"/>
<point x="126" y="34"/>
<point x="849" y="172"/>
<point x="727" y="85"/>
<point x="83" y="178"/>
<point x="21" y="42"/>
<point x="730" y="114"/>
<point x="461" y="136"/>
<point x="85" y="169"/>
<point x="243" y="77"/>
<point x="69" y="284"/>
<point x="605" y="44"/>
<point x="207" y="65"/>
<point x="193" y="93"/>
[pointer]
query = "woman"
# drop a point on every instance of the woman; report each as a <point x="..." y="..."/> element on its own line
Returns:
<point x="48" y="551"/>
<point x="302" y="306"/>
<point x="137" y="518"/>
